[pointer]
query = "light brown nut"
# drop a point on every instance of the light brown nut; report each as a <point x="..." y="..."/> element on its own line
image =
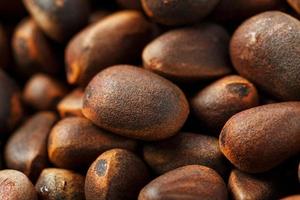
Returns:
<point x="71" y="104"/>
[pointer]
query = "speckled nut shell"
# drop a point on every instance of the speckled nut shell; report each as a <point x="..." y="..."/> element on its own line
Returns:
<point x="11" y="110"/>
<point x="16" y="186"/>
<point x="263" y="50"/>
<point x="71" y="104"/>
<point x="217" y="102"/>
<point x="245" y="186"/>
<point x="130" y="4"/>
<point x="295" y="4"/>
<point x="43" y="92"/>
<point x="4" y="48"/>
<point x="55" y="184"/>
<point x="26" y="149"/>
<point x="32" y="51"/>
<point x="59" y="19"/>
<point x="191" y="182"/>
<point x="260" y="138"/>
<point x="185" y="149"/>
<point x="176" y="12"/>
<point x="116" y="174"/>
<point x="118" y="38"/>
<point x="136" y="103"/>
<point x="189" y="54"/>
<point x="75" y="142"/>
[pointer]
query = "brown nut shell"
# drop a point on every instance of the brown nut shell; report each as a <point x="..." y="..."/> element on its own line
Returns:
<point x="115" y="174"/>
<point x="136" y="103"/>
<point x="32" y="51"/>
<point x="217" y="102"/>
<point x="176" y="12"/>
<point x="71" y="104"/>
<point x="264" y="50"/>
<point x="185" y="149"/>
<point x="16" y="186"/>
<point x="54" y="184"/>
<point x="59" y="19"/>
<point x="260" y="138"/>
<point x="190" y="54"/>
<point x="75" y="142"/>
<point x="118" y="38"/>
<point x="43" y="92"/>
<point x="191" y="182"/>
<point x="26" y="149"/>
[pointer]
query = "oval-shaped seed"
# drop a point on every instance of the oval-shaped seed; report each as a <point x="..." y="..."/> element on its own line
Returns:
<point x="217" y="102"/>
<point x="32" y="51"/>
<point x="115" y="174"/>
<point x="130" y="4"/>
<point x="54" y="184"/>
<point x="189" y="54"/>
<point x="59" y="19"/>
<point x="185" y="149"/>
<point x="16" y="186"/>
<point x="118" y="38"/>
<point x="71" y="104"/>
<point x="191" y="182"/>
<point x="75" y="142"/>
<point x="260" y="138"/>
<point x="136" y="103"/>
<point x="245" y="186"/>
<point x="42" y="92"/>
<point x="174" y="12"/>
<point x="11" y="110"/>
<point x="26" y="149"/>
<point x="263" y="50"/>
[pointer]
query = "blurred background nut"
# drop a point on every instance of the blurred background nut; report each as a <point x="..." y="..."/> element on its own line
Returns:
<point x="55" y="184"/>
<point x="42" y="92"/>
<point x="115" y="174"/>
<point x="59" y="19"/>
<point x="295" y="4"/>
<point x="26" y="149"/>
<point x="71" y="104"/>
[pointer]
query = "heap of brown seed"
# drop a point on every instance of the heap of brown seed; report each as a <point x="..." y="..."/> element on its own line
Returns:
<point x="150" y="99"/>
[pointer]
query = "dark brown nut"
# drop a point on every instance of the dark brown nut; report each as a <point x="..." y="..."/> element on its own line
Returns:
<point x="294" y="197"/>
<point x="26" y="149"/>
<point x="59" y="19"/>
<point x="42" y="92"/>
<point x="237" y="10"/>
<point x="130" y="4"/>
<point x="175" y="12"/>
<point x="191" y="182"/>
<point x="32" y="51"/>
<point x="4" y="49"/>
<point x="216" y="103"/>
<point x="185" y="149"/>
<point x="245" y="186"/>
<point x="98" y="15"/>
<point x="54" y="184"/>
<point x="16" y="186"/>
<point x="116" y="174"/>
<point x="75" y="143"/>
<point x="263" y="51"/>
<point x="136" y="103"/>
<point x="295" y="4"/>
<point x="11" y="110"/>
<point x="189" y="54"/>
<point x="71" y="104"/>
<point x="118" y="38"/>
<point x="260" y="138"/>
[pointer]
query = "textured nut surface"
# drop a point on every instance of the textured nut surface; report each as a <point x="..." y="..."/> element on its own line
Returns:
<point x="176" y="12"/>
<point x="116" y="174"/>
<point x="191" y="182"/>
<point x="55" y="184"/>
<point x="71" y="104"/>
<point x="185" y="149"/>
<point x="189" y="54"/>
<point x="264" y="49"/>
<point x="75" y="142"/>
<point x="217" y="102"/>
<point x="260" y="138"/>
<point x="118" y="38"/>
<point x="136" y="103"/>
<point x="16" y="186"/>
<point x="26" y="149"/>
